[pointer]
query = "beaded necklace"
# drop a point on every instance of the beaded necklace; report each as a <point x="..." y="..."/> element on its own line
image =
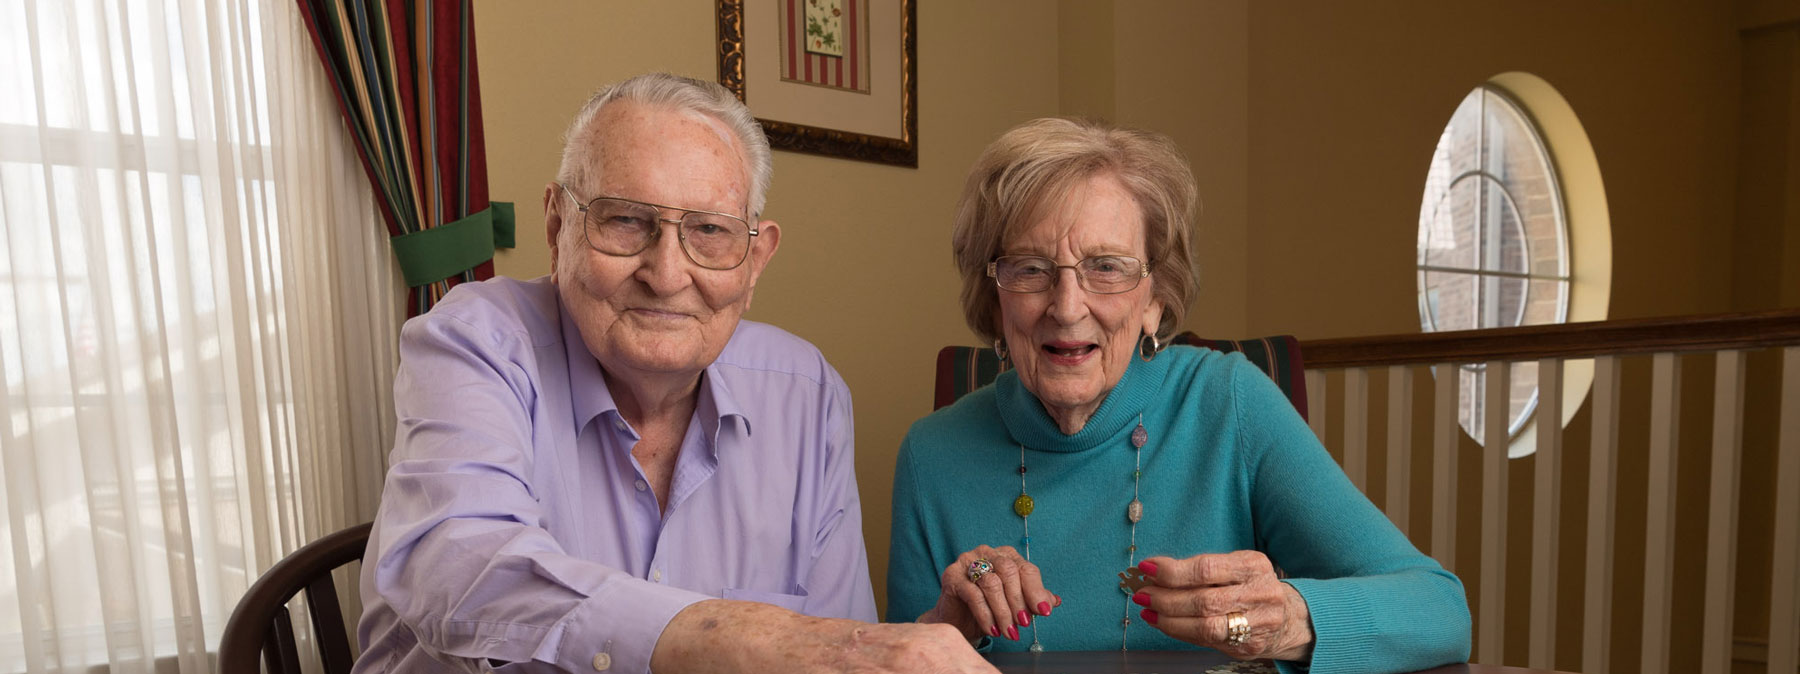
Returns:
<point x="1134" y="511"/>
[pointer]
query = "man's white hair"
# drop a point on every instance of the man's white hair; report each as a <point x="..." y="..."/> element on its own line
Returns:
<point x="681" y="93"/>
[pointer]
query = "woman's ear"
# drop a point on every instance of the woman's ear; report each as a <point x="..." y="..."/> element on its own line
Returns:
<point x="1153" y="314"/>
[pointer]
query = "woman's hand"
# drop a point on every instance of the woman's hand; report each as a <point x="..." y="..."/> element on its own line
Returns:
<point x="1196" y="599"/>
<point x="996" y="603"/>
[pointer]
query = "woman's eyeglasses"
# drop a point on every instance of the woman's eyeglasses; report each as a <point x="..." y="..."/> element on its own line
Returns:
<point x="1101" y="274"/>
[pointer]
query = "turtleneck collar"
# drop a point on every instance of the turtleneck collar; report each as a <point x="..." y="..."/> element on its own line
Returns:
<point x="1028" y="423"/>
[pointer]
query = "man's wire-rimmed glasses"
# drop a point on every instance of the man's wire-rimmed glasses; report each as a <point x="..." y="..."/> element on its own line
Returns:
<point x="1101" y="274"/>
<point x="623" y="228"/>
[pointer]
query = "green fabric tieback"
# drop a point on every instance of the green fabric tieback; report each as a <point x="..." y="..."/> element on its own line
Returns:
<point x="452" y="248"/>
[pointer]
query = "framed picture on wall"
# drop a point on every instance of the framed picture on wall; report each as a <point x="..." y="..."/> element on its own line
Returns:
<point x="828" y="77"/>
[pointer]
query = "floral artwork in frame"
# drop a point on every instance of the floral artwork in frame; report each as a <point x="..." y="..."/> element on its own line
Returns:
<point x="825" y="27"/>
<point x="828" y="77"/>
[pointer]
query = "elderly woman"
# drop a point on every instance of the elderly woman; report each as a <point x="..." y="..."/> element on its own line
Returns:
<point x="1108" y="492"/>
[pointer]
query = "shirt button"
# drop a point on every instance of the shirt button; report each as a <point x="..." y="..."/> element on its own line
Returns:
<point x="656" y="575"/>
<point x="642" y="486"/>
<point x="602" y="662"/>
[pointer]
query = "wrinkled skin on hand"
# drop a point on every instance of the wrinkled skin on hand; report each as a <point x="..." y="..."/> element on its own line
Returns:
<point x="1191" y="599"/>
<point x="997" y="605"/>
<point x="720" y="636"/>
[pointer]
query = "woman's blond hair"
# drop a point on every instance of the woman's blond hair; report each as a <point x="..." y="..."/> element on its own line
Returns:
<point x="1035" y="166"/>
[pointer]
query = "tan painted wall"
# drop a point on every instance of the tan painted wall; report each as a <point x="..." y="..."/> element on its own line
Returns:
<point x="1183" y="69"/>
<point x="1309" y="122"/>
<point x="1347" y="100"/>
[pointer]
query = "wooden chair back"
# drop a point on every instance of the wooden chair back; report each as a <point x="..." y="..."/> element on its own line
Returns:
<point x="260" y="624"/>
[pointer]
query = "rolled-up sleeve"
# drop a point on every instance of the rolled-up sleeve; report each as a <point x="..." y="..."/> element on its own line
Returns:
<point x="460" y="552"/>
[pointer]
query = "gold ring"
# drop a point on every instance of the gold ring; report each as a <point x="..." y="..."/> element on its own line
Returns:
<point x="1236" y="628"/>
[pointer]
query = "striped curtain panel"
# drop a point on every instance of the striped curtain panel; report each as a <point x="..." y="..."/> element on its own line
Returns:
<point x="405" y="77"/>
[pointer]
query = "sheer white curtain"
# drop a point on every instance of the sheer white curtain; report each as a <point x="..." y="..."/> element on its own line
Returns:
<point x="197" y="323"/>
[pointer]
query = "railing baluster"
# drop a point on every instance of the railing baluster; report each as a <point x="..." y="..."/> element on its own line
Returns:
<point x="1608" y="343"/>
<point x="1603" y="472"/>
<point x="1659" y="511"/>
<point x="1399" y="448"/>
<point x="1722" y="513"/>
<point x="1545" y="520"/>
<point x="1491" y="630"/>
<point x="1315" y="402"/>
<point x="1445" y="435"/>
<point x="1784" y="602"/>
<point x="1356" y="427"/>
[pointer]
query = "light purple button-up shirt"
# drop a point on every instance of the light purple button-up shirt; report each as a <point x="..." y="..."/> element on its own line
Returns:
<point x="515" y="526"/>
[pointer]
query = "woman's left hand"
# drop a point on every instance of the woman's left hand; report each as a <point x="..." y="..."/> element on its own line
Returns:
<point x="1195" y="600"/>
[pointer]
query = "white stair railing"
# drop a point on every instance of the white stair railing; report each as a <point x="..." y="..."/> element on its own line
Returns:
<point x="1342" y="373"/>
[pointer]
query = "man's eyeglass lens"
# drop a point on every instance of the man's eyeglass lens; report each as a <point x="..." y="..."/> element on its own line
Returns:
<point x="620" y="227"/>
<point x="1106" y="274"/>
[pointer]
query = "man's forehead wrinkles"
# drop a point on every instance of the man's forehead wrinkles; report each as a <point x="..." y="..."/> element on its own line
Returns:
<point x="631" y="141"/>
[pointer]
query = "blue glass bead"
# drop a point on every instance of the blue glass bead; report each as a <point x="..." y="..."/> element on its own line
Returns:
<point x="1026" y="540"/>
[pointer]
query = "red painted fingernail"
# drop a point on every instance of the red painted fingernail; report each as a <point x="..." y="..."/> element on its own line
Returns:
<point x="1058" y="600"/>
<point x="1043" y="608"/>
<point x="1012" y="633"/>
<point x="1149" y="616"/>
<point x="1148" y="567"/>
<point x="994" y="630"/>
<point x="1141" y="599"/>
<point x="1024" y="618"/>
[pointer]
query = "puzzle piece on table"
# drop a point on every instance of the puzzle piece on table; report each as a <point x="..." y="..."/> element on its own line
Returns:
<point x="1243" y="667"/>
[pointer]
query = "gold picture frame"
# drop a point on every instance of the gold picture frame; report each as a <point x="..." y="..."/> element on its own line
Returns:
<point x="868" y="113"/>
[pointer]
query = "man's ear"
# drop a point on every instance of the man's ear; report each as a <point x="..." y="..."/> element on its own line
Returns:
<point x="552" y="225"/>
<point x="762" y="248"/>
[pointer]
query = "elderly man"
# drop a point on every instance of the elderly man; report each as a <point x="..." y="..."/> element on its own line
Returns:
<point x="607" y="469"/>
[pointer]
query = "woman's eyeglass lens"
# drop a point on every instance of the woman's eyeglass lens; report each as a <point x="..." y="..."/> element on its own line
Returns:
<point x="1104" y="274"/>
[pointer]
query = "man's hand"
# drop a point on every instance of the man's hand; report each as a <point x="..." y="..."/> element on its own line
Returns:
<point x="718" y="636"/>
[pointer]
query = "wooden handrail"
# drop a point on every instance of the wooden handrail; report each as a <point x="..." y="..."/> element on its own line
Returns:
<point x="1758" y="329"/>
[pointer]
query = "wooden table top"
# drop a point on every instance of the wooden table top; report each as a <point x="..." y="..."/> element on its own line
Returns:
<point x="1168" y="662"/>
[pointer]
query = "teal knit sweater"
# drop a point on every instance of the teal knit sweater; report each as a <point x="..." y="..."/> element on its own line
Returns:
<point x="1229" y="466"/>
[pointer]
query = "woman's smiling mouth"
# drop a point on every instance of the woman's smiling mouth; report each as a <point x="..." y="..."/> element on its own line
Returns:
<point x="1069" y="353"/>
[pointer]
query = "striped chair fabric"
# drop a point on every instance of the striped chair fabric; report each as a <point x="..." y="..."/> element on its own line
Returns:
<point x="961" y="369"/>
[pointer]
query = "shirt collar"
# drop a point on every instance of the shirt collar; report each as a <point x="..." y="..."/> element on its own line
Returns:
<point x="716" y="393"/>
<point x="589" y="397"/>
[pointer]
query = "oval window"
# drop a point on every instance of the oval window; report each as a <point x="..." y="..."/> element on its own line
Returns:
<point x="1493" y="242"/>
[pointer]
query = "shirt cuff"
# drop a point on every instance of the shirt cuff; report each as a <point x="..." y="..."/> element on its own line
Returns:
<point x="617" y="628"/>
<point x="1342" y="626"/>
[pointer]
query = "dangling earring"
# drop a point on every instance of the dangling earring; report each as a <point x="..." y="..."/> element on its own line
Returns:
<point x="1000" y="349"/>
<point x="1155" y="346"/>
